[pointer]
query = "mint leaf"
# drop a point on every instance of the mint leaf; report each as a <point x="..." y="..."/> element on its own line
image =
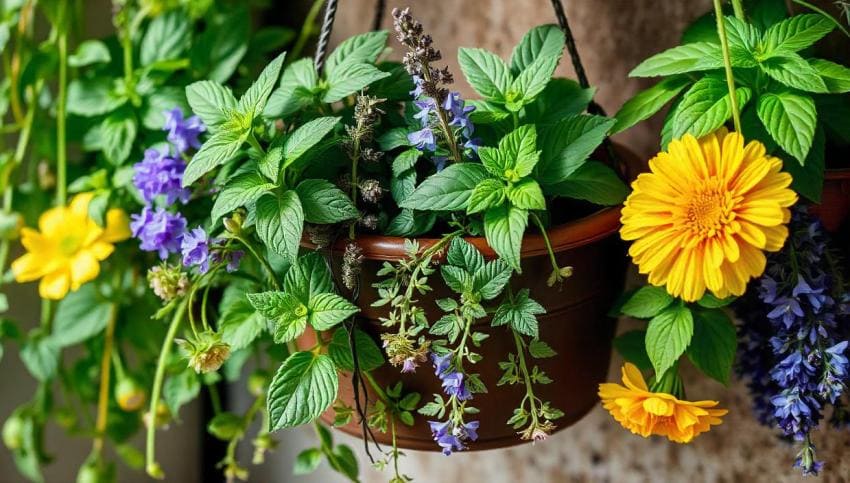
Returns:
<point x="308" y="277"/>
<point x="836" y="77"/>
<point x="287" y="314"/>
<point x="520" y="314"/>
<point x="448" y="190"/>
<point x="541" y="41"/>
<point x="593" y="182"/>
<point x="88" y="52"/>
<point x="324" y="203"/>
<point x="463" y="254"/>
<point x="269" y="164"/>
<point x="456" y="278"/>
<point x="93" y="97"/>
<point x="693" y="57"/>
<point x="504" y="227"/>
<point x="80" y="316"/>
<point x="713" y="345"/>
<point x="790" y="119"/>
<point x="166" y="38"/>
<point x="561" y="98"/>
<point x="394" y="138"/>
<point x="253" y="101"/>
<point x="296" y="90"/>
<point x="540" y="350"/>
<point x="796" y="33"/>
<point x="519" y="147"/>
<point x="531" y="81"/>
<point x="489" y="281"/>
<point x="369" y="355"/>
<point x="647" y="302"/>
<point x="808" y="178"/>
<point x="566" y="145"/>
<point x="646" y="103"/>
<point x="793" y="71"/>
<point x="486" y="112"/>
<point x="304" y="386"/>
<point x="307" y="461"/>
<point x="411" y="223"/>
<point x="710" y="301"/>
<point x="242" y="190"/>
<point x="210" y="101"/>
<point x="487" y="194"/>
<point x="240" y="324"/>
<point x="280" y="221"/>
<point x="118" y="131"/>
<point x="306" y="137"/>
<point x="350" y="78"/>
<point x="527" y="195"/>
<point x="358" y="49"/>
<point x="328" y="310"/>
<point x="405" y="161"/>
<point x="706" y="106"/>
<point x="217" y="150"/>
<point x="632" y="346"/>
<point x="486" y="73"/>
<point x="668" y="335"/>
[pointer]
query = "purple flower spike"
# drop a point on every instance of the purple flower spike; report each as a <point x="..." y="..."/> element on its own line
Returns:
<point x="183" y="134"/>
<point x="159" y="231"/>
<point x="159" y="174"/>
<point x="423" y="139"/>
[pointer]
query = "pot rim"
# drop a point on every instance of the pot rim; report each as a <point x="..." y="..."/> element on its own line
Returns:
<point x="573" y="234"/>
<point x="837" y="173"/>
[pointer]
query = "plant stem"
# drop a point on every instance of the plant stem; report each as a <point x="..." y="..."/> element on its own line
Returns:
<point x="549" y="248"/>
<point x="9" y="191"/>
<point x="739" y="10"/>
<point x="265" y="263"/>
<point x="444" y="122"/>
<point x="529" y="389"/>
<point x="307" y="30"/>
<point x="826" y="14"/>
<point x="151" y="466"/>
<point x="730" y="78"/>
<point x="61" y="115"/>
<point x="103" y="394"/>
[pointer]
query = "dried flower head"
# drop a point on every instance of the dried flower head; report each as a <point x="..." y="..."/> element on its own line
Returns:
<point x="206" y="353"/>
<point x="369" y="221"/>
<point x="538" y="431"/>
<point x="352" y="262"/>
<point x="319" y="235"/>
<point x="366" y="116"/>
<point x="168" y="282"/>
<point x="420" y="54"/>
<point x="371" y="191"/>
<point x="405" y="352"/>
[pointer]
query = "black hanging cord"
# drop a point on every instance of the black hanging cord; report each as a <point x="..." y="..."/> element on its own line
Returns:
<point x="574" y="56"/>
<point x="378" y="19"/>
<point x="325" y="35"/>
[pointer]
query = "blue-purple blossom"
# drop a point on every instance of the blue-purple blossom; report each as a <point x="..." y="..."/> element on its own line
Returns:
<point x="453" y="385"/>
<point x="196" y="249"/>
<point x="795" y="337"/>
<point x="451" y="437"/>
<point x="423" y="139"/>
<point x="158" y="230"/>
<point x="231" y="257"/>
<point x="183" y="134"/>
<point x="159" y="174"/>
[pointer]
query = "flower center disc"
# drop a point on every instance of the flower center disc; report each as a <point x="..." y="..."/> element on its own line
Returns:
<point x="707" y="211"/>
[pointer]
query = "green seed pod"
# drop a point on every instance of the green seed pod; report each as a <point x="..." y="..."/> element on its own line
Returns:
<point x="13" y="432"/>
<point x="130" y="395"/>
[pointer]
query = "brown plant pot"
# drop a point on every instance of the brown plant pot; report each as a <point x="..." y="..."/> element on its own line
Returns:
<point x="576" y="326"/>
<point x="834" y="207"/>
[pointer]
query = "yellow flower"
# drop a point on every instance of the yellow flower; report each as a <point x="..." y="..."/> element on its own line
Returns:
<point x="68" y="247"/>
<point x="704" y="214"/>
<point x="645" y="413"/>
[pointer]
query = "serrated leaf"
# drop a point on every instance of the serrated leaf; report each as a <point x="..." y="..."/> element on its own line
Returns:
<point x="487" y="194"/>
<point x="504" y="227"/>
<point x="308" y="277"/>
<point x="519" y="149"/>
<point x="369" y="355"/>
<point x="646" y="103"/>
<point x="89" y="52"/>
<point x="532" y="80"/>
<point x="790" y="119"/>
<point x="489" y="281"/>
<point x="648" y="301"/>
<point x="328" y="310"/>
<point x="239" y="324"/>
<point x="713" y="346"/>
<point x="520" y="314"/>
<point x="118" y="133"/>
<point x="405" y="160"/>
<point x="797" y="33"/>
<point x="693" y="57"/>
<point x="540" y="41"/>
<point x="217" y="150"/>
<point x="793" y="71"/>
<point x="305" y="137"/>
<point x="296" y="89"/>
<point x="210" y="101"/>
<point x="350" y="78"/>
<point x="304" y="386"/>
<point x="269" y="164"/>
<point x="463" y="254"/>
<point x="253" y="101"/>
<point x="166" y="38"/>
<point x="566" y="145"/>
<point x="324" y="203"/>
<point x="527" y="195"/>
<point x="593" y="182"/>
<point x="668" y="335"/>
<point x="411" y="223"/>
<point x="280" y="221"/>
<point x="560" y="99"/>
<point x="540" y="349"/>
<point x="456" y="278"/>
<point x="240" y="191"/>
<point x="360" y="48"/>
<point x="836" y="77"/>
<point x="706" y="106"/>
<point x="632" y="346"/>
<point x="447" y="190"/>
<point x="486" y="73"/>
<point x="807" y="179"/>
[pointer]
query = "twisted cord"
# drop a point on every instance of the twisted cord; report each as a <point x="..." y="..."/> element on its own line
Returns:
<point x="325" y="35"/>
<point x="378" y="19"/>
<point x="561" y="15"/>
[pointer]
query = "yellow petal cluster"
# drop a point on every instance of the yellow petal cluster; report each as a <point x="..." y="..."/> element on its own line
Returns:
<point x="66" y="250"/>
<point x="705" y="213"/>
<point x="646" y="413"/>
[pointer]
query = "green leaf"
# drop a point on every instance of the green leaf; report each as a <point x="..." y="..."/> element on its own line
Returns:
<point x="519" y="147"/>
<point x="239" y="324"/>
<point x="790" y="119"/>
<point x="487" y="194"/>
<point x="358" y="49"/>
<point x="646" y="103"/>
<point x="540" y="350"/>
<point x="287" y="314"/>
<point x="345" y="462"/>
<point x="324" y="203"/>
<point x="520" y="314"/>
<point x="280" y="221"/>
<point x="180" y="389"/>
<point x="632" y="346"/>
<point x="118" y="132"/>
<point x="221" y="47"/>
<point x="706" y="106"/>
<point x="808" y="178"/>
<point x="158" y="102"/>
<point x="307" y="461"/>
<point x="527" y="195"/>
<point x="269" y="163"/>
<point x="369" y="355"/>
<point x="394" y="138"/>
<point x="167" y="38"/>
<point x="253" y="101"/>
<point x="668" y="335"/>
<point x="217" y="150"/>
<point x="593" y="182"/>
<point x="489" y="281"/>
<point x="793" y="71"/>
<point x="567" y="144"/>
<point x="693" y="57"/>
<point x="713" y="345"/>
<point x="560" y="99"/>
<point x="297" y="84"/>
<point x="796" y="33"/>
<point x="328" y="310"/>
<point x="405" y="161"/>
<point x="80" y="316"/>
<point x="411" y="223"/>
<point x="89" y="52"/>
<point x="350" y="78"/>
<point x="541" y="41"/>
<point x="304" y="386"/>
<point x="835" y="76"/>
<point x="743" y="39"/>
<point x="647" y="302"/>
<point x="447" y="190"/>
<point x="210" y="101"/>
<point x="93" y="97"/>
<point x="463" y="254"/>
<point x="486" y="73"/>
<point x="710" y="301"/>
<point x="41" y="357"/>
<point x="531" y="81"/>
<point x="242" y="190"/>
<point x="306" y="137"/>
<point x="308" y="277"/>
<point x="486" y="112"/>
<point x="504" y="227"/>
<point x="456" y="278"/>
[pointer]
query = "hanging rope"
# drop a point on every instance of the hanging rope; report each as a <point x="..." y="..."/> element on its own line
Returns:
<point x="593" y="108"/>
<point x="378" y="19"/>
<point x="325" y="35"/>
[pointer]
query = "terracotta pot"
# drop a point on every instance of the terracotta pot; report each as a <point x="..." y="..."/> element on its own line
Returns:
<point x="575" y="325"/>
<point x="834" y="207"/>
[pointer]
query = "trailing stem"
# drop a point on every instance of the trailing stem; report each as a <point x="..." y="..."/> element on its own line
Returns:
<point x="730" y="78"/>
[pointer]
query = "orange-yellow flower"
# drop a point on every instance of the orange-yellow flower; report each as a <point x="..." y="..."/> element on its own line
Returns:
<point x="703" y="216"/>
<point x="68" y="247"/>
<point x="645" y="413"/>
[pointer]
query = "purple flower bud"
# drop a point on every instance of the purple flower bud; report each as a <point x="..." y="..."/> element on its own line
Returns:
<point x="196" y="250"/>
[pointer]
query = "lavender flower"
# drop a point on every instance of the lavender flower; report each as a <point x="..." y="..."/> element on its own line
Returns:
<point x="794" y="336"/>
<point x="159" y="174"/>
<point x="158" y="231"/>
<point x="183" y="134"/>
<point x="196" y="249"/>
<point x="424" y="139"/>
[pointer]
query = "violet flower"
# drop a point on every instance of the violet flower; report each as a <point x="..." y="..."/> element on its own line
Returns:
<point x="159" y="174"/>
<point x="158" y="231"/>
<point x="196" y="250"/>
<point x="183" y="134"/>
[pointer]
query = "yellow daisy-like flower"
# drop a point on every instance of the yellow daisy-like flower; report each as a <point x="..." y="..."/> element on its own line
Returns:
<point x="66" y="250"/>
<point x="646" y="413"/>
<point x="704" y="214"/>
